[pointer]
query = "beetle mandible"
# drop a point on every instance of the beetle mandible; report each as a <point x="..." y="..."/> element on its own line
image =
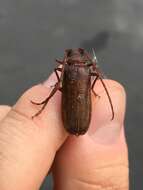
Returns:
<point x="76" y="85"/>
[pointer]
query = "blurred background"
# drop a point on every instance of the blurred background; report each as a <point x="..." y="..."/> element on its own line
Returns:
<point x="33" y="33"/>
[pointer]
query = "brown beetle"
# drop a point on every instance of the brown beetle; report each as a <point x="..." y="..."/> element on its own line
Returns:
<point x="76" y="86"/>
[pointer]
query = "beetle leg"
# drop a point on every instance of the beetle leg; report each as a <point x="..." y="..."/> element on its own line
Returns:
<point x="58" y="78"/>
<point x="60" y="89"/>
<point x="92" y="87"/>
<point x="57" y="75"/>
<point x="109" y="98"/>
<point x="61" y="70"/>
<point x="45" y="102"/>
<point x="60" y="62"/>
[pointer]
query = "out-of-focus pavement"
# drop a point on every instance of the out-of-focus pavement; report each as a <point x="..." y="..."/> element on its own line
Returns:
<point x="33" y="33"/>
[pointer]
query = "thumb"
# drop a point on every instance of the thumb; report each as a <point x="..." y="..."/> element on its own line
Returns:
<point x="98" y="159"/>
<point x="28" y="146"/>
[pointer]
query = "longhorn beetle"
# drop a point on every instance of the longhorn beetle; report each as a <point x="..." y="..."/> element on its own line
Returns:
<point x="76" y="86"/>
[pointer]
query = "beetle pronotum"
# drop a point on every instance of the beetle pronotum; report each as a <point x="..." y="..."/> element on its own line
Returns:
<point x="76" y="86"/>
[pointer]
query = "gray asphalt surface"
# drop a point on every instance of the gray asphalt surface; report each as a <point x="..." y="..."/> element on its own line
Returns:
<point x="33" y="33"/>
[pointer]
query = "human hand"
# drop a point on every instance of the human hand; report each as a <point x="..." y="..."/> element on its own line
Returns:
<point x="30" y="148"/>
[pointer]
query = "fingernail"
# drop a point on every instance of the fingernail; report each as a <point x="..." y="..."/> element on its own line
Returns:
<point x="50" y="81"/>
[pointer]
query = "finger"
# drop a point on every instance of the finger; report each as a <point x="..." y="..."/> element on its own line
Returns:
<point x="28" y="146"/>
<point x="102" y="123"/>
<point x="4" y="109"/>
<point x="99" y="159"/>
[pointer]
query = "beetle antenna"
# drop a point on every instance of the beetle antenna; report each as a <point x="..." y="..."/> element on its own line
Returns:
<point x="94" y="56"/>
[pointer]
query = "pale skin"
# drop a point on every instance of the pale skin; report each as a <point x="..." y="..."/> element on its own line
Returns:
<point x="29" y="149"/>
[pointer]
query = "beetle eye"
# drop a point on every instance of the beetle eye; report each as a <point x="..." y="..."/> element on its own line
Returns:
<point x="81" y="51"/>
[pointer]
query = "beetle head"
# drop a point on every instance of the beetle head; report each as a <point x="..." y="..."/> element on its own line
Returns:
<point x="77" y="56"/>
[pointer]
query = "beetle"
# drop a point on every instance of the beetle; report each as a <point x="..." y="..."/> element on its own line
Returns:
<point x="76" y="86"/>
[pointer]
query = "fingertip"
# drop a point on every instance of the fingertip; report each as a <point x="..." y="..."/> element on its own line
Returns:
<point x="4" y="109"/>
<point x="101" y="122"/>
<point x="118" y="97"/>
<point x="37" y="93"/>
<point x="50" y="81"/>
